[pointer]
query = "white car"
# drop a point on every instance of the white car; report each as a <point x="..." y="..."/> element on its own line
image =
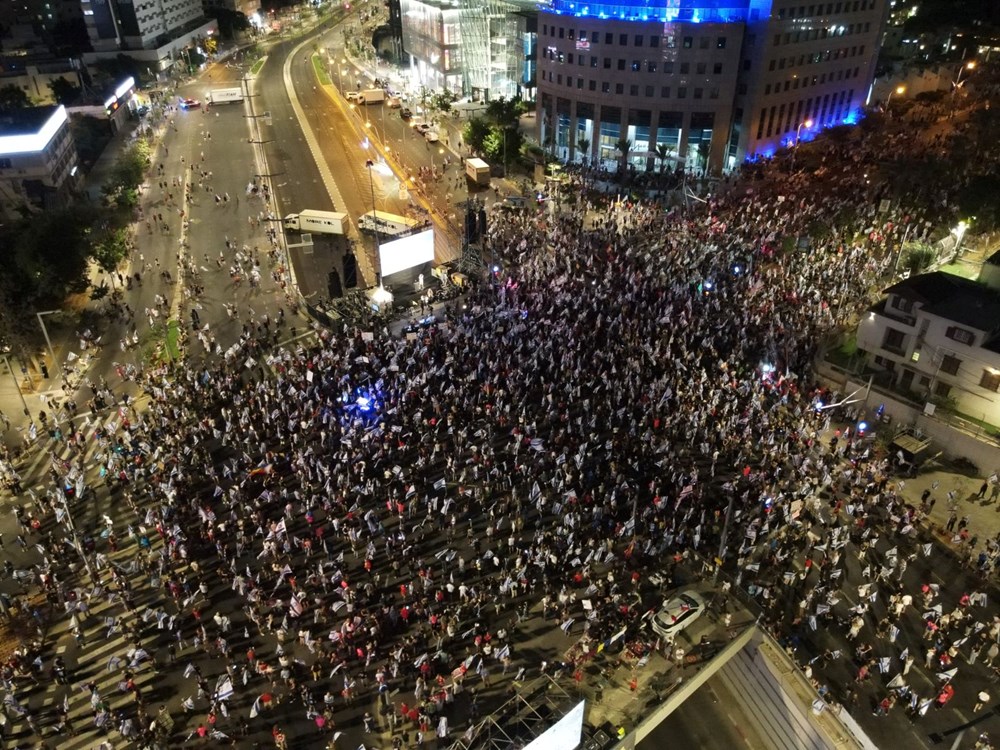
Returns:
<point x="353" y="96"/>
<point x="678" y="613"/>
<point x="432" y="136"/>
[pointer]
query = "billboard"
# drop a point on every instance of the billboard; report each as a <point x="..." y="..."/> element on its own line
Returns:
<point x="407" y="252"/>
<point x="565" y="734"/>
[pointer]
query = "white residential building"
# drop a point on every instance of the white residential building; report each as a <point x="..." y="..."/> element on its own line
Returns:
<point x="937" y="336"/>
<point x="149" y="30"/>
<point x="38" y="161"/>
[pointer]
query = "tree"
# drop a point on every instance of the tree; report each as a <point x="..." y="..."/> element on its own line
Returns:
<point x="51" y="252"/>
<point x="502" y="144"/>
<point x="111" y="249"/>
<point x="90" y="135"/>
<point x="623" y="146"/>
<point x="918" y="258"/>
<point x="13" y="98"/>
<point x="664" y="151"/>
<point x="442" y="101"/>
<point x="503" y="111"/>
<point x="195" y="58"/>
<point x="127" y="175"/>
<point x="474" y="133"/>
<point x="230" y="21"/>
<point x="583" y="148"/>
<point x="704" y="152"/>
<point x="63" y="91"/>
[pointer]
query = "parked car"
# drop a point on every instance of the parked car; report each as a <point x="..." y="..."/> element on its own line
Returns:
<point x="190" y="104"/>
<point x="678" y="613"/>
<point x="422" y="127"/>
<point x="394" y="102"/>
<point x="432" y="136"/>
<point x="353" y="96"/>
<point x="405" y="113"/>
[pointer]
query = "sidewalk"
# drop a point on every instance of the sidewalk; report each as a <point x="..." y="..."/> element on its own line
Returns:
<point x="983" y="514"/>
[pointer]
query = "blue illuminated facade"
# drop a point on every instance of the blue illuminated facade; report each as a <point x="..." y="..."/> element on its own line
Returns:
<point x="666" y="11"/>
<point x="711" y="82"/>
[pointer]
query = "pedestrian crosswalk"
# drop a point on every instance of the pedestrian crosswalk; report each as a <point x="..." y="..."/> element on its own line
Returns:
<point x="107" y="657"/>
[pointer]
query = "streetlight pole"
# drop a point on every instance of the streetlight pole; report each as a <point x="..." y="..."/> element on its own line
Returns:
<point x="957" y="83"/>
<point x="898" y="90"/>
<point x="6" y="359"/>
<point x="798" y="132"/>
<point x="77" y="544"/>
<point x="371" y="184"/>
<point x="45" y="333"/>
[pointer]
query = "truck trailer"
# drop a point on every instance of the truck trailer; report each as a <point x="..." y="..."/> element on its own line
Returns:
<point x="371" y="96"/>
<point x="322" y="222"/>
<point x="224" y="96"/>
<point x="478" y="172"/>
<point x="387" y="224"/>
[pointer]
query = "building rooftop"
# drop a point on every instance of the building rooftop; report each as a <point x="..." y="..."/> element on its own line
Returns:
<point x="29" y="130"/>
<point x="970" y="303"/>
<point x="27" y="121"/>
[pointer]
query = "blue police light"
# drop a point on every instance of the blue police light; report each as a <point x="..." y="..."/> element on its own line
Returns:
<point x="496" y="269"/>
<point x="862" y="426"/>
<point x="708" y="285"/>
<point x="737" y="270"/>
<point x="364" y="403"/>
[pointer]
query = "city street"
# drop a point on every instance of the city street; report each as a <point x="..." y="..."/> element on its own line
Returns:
<point x="340" y="538"/>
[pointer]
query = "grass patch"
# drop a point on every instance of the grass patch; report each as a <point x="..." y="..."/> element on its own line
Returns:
<point x="255" y="69"/>
<point x="161" y="343"/>
<point x="987" y="427"/>
<point x="320" y="69"/>
<point x="965" y="270"/>
<point x="173" y="338"/>
<point x="845" y="354"/>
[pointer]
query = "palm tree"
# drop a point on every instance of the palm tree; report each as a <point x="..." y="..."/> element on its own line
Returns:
<point x="704" y="151"/>
<point x="664" y="152"/>
<point x="583" y="147"/>
<point x="623" y="146"/>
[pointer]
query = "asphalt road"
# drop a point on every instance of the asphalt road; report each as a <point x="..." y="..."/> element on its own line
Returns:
<point x="706" y="721"/>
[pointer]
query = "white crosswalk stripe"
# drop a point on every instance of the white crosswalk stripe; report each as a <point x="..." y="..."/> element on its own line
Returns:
<point x="103" y="660"/>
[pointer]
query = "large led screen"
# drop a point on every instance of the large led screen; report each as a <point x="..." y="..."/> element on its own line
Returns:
<point x="565" y="734"/>
<point x="398" y="255"/>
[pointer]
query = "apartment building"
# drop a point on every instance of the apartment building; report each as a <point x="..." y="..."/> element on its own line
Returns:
<point x="38" y="162"/>
<point x="937" y="336"/>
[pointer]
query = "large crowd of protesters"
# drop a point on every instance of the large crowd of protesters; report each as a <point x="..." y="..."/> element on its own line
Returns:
<point x="319" y="527"/>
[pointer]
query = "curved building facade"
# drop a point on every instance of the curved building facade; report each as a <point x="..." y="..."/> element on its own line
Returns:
<point x="709" y="82"/>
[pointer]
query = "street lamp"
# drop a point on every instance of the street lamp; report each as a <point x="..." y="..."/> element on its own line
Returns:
<point x="45" y="333"/>
<point x="798" y="131"/>
<point x="371" y="184"/>
<point x="971" y="65"/>
<point x="899" y="90"/>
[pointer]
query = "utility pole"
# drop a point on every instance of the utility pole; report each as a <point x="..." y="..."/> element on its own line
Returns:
<point x="725" y="533"/>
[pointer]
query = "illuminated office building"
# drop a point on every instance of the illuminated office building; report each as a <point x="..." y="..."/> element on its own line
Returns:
<point x="713" y="82"/>
<point x="479" y="48"/>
